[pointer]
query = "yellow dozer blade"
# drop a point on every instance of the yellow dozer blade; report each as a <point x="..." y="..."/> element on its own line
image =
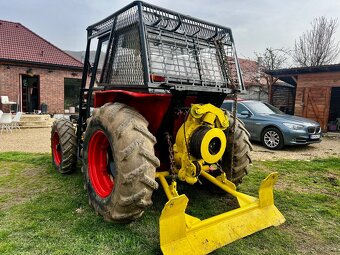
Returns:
<point x="181" y="233"/>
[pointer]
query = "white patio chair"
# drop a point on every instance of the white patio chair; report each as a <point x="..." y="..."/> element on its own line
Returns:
<point x="6" y="122"/>
<point x="5" y="101"/>
<point x="1" y="112"/>
<point x="16" y="120"/>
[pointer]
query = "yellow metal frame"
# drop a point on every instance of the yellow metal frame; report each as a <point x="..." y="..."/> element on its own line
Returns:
<point x="181" y="233"/>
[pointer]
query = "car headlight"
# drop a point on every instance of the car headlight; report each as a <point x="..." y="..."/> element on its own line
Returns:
<point x="293" y="126"/>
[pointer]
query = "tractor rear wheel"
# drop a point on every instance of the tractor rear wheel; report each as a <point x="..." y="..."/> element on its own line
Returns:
<point x="64" y="146"/>
<point x="119" y="164"/>
<point x="242" y="149"/>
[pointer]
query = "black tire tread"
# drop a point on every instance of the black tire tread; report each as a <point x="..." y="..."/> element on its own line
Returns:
<point x="242" y="150"/>
<point x="68" y="143"/>
<point x="134" y="159"/>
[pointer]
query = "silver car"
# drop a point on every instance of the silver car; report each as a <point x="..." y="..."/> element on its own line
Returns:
<point x="273" y="128"/>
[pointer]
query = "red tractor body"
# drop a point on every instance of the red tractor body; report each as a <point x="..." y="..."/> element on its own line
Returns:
<point x="152" y="106"/>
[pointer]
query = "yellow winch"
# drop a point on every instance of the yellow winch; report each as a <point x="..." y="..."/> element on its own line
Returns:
<point x="200" y="141"/>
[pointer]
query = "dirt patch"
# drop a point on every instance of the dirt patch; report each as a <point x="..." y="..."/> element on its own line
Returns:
<point x="26" y="140"/>
<point x="311" y="244"/>
<point x="38" y="140"/>
<point x="333" y="179"/>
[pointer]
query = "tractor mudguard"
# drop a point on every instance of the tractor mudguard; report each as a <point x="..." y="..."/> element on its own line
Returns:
<point x="181" y="233"/>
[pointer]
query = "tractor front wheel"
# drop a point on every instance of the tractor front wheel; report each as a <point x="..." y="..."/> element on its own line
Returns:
<point x="119" y="164"/>
<point x="64" y="146"/>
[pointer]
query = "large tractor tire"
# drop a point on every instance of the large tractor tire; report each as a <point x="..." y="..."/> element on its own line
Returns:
<point x="242" y="149"/>
<point x="119" y="164"/>
<point x="64" y="146"/>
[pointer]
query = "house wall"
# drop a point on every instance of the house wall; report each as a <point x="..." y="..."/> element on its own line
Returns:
<point x="51" y="84"/>
<point x="255" y="93"/>
<point x="313" y="95"/>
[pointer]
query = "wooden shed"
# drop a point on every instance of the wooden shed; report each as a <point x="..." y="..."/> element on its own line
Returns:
<point x="283" y="97"/>
<point x="317" y="92"/>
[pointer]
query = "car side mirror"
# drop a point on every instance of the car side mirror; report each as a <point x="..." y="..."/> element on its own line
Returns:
<point x="246" y="113"/>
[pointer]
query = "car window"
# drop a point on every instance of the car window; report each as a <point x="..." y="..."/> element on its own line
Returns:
<point x="274" y="109"/>
<point x="227" y="106"/>
<point x="259" y="107"/>
<point x="241" y="108"/>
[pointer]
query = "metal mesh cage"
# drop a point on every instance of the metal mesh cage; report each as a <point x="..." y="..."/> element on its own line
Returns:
<point x="127" y="66"/>
<point x="148" y="41"/>
<point x="125" y="61"/>
<point x="184" y="60"/>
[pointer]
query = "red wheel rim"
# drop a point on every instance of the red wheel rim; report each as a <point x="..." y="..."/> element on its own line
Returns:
<point x="56" y="149"/>
<point x="98" y="164"/>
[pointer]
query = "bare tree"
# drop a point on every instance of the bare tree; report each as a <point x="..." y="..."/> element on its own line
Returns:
<point x="270" y="59"/>
<point x="317" y="46"/>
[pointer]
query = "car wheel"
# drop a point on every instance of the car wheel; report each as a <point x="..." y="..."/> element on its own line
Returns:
<point x="272" y="138"/>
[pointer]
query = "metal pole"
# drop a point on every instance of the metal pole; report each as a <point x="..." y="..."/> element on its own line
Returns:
<point x="142" y="37"/>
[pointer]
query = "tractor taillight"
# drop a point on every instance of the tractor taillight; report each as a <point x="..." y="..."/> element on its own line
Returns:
<point x="157" y="78"/>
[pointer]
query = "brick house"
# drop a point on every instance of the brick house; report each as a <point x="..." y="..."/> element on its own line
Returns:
<point x="34" y="72"/>
<point x="254" y="80"/>
<point x="250" y="72"/>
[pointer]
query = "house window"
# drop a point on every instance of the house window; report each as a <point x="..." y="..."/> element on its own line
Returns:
<point x="71" y="93"/>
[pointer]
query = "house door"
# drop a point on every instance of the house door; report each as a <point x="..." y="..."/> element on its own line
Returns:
<point x="30" y="93"/>
<point x="316" y="104"/>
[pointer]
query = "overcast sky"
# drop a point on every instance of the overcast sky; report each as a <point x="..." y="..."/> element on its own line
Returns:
<point x="256" y="24"/>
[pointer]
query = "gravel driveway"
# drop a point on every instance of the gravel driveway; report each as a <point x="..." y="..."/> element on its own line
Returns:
<point x="329" y="147"/>
<point x="26" y="140"/>
<point x="38" y="140"/>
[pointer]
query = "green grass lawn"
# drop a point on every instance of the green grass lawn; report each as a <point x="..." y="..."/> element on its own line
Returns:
<point x="43" y="212"/>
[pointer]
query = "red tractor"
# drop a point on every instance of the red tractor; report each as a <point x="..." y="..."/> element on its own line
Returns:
<point x="149" y="113"/>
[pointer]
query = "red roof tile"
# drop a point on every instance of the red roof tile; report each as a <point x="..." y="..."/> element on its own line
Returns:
<point x="18" y="43"/>
<point x="250" y="69"/>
